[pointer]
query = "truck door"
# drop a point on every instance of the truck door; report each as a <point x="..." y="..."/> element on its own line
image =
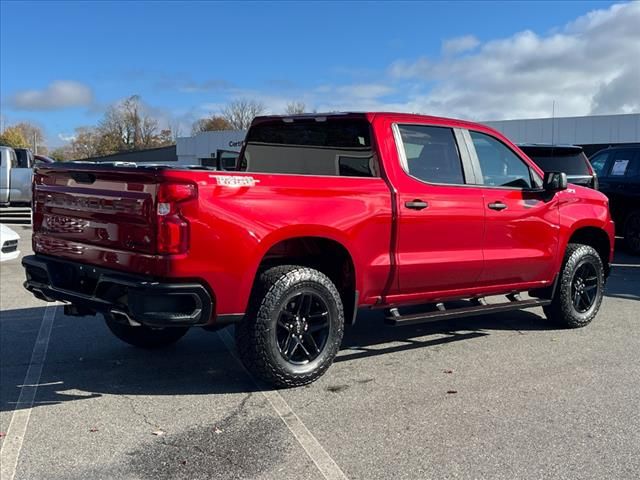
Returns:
<point x="521" y="233"/>
<point x="440" y="216"/>
<point x="5" y="173"/>
<point x="20" y="177"/>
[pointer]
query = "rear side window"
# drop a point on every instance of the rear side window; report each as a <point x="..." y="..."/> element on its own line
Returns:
<point x="23" y="158"/>
<point x="500" y="166"/>
<point x="431" y="154"/>
<point x="624" y="164"/>
<point x="14" y="159"/>
<point x="570" y="163"/>
<point x="335" y="146"/>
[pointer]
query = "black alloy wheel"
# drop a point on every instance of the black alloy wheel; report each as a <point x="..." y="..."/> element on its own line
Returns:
<point x="293" y="327"/>
<point x="584" y="287"/>
<point x="580" y="287"/>
<point x="302" y="327"/>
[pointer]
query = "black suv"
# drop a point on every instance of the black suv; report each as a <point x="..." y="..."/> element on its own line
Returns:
<point x="618" y="170"/>
<point x="569" y="159"/>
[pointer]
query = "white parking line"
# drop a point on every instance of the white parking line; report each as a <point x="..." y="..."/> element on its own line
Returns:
<point x="12" y="444"/>
<point x="327" y="465"/>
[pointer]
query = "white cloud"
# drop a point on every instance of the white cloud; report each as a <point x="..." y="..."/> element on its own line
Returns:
<point x="365" y="90"/>
<point x="459" y="44"/>
<point x="66" y="137"/>
<point x="57" y="95"/>
<point x="588" y="66"/>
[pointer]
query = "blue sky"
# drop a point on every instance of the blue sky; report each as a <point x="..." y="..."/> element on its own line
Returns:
<point x="187" y="60"/>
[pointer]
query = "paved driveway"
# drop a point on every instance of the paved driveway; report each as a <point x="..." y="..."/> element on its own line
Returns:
<point x="506" y="396"/>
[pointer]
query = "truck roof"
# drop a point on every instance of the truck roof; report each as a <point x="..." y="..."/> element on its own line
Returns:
<point x="398" y="116"/>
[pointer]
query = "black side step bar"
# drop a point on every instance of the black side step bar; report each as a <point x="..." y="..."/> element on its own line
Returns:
<point x="480" y="308"/>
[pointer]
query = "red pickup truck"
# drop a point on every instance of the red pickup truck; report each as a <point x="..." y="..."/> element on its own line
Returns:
<point x="323" y="215"/>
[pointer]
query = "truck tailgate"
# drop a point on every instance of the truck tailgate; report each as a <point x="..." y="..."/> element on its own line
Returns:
<point x="94" y="214"/>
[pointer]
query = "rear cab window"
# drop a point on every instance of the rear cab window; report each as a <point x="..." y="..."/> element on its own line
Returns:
<point x="571" y="162"/>
<point x="331" y="146"/>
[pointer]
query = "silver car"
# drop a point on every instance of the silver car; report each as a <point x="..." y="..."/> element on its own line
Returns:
<point x="15" y="176"/>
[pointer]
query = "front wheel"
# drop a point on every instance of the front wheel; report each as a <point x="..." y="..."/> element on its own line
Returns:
<point x="294" y="326"/>
<point x="580" y="287"/>
<point x="146" y="337"/>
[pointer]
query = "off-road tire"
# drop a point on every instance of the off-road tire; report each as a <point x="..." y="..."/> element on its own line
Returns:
<point x="562" y="309"/>
<point x="632" y="232"/>
<point x="256" y="335"/>
<point x="146" y="337"/>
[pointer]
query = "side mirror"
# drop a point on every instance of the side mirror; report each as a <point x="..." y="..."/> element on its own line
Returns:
<point x="555" y="181"/>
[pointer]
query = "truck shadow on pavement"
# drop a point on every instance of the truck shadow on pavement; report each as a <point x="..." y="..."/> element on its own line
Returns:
<point x="84" y="360"/>
<point x="370" y="335"/>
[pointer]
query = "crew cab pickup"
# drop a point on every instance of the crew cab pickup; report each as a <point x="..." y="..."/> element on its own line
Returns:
<point x="323" y="216"/>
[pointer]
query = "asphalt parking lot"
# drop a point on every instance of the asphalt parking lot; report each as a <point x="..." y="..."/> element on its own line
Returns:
<point x="504" y="396"/>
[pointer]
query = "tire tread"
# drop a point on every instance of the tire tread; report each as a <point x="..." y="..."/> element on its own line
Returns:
<point x="251" y="333"/>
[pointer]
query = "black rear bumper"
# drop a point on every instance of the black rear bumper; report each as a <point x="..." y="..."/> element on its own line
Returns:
<point x="129" y="298"/>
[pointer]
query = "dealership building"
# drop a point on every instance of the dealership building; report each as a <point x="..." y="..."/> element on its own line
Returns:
<point x="592" y="132"/>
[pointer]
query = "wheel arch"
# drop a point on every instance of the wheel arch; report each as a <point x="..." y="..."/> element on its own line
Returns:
<point x="323" y="251"/>
<point x="595" y="237"/>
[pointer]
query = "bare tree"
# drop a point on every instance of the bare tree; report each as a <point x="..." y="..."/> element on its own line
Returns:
<point x="32" y="134"/>
<point x="149" y="132"/>
<point x="86" y="143"/>
<point x="127" y="126"/>
<point x="213" y="123"/>
<point x="176" y="129"/>
<point x="295" y="108"/>
<point x="240" y="113"/>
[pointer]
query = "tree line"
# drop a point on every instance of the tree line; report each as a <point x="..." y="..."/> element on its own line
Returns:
<point x="128" y="126"/>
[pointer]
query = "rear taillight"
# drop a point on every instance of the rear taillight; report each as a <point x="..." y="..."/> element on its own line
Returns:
<point x="173" y="228"/>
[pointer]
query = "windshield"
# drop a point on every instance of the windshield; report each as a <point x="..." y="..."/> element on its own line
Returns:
<point x="332" y="146"/>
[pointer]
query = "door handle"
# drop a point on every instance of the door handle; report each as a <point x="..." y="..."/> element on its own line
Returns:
<point x="497" y="206"/>
<point x="416" y="204"/>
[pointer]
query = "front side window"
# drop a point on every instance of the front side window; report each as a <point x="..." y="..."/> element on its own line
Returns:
<point x="431" y="154"/>
<point x="500" y="166"/>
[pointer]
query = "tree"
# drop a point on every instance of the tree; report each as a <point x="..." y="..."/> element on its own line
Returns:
<point x="13" y="137"/>
<point x="211" y="124"/>
<point x="88" y="142"/>
<point x="295" y="108"/>
<point x="127" y="126"/>
<point x="240" y="113"/>
<point x="61" y="154"/>
<point x="33" y="135"/>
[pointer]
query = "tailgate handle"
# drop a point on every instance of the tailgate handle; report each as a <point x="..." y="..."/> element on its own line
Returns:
<point x="83" y="177"/>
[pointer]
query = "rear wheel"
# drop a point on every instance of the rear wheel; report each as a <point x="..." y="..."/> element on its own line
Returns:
<point x="632" y="233"/>
<point x="580" y="287"/>
<point x="294" y="326"/>
<point x="146" y="337"/>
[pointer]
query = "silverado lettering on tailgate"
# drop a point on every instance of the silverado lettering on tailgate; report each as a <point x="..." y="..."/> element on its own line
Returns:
<point x="132" y="206"/>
